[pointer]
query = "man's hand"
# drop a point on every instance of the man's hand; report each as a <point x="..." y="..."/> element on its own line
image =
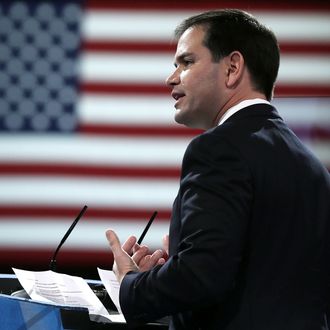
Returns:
<point x="123" y="263"/>
<point x="166" y="246"/>
<point x="140" y="261"/>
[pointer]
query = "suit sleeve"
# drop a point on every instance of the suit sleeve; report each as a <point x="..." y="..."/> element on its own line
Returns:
<point x="212" y="210"/>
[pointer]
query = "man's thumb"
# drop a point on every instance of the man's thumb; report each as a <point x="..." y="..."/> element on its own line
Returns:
<point x="113" y="241"/>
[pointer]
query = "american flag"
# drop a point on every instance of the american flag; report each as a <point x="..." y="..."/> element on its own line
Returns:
<point x="86" y="118"/>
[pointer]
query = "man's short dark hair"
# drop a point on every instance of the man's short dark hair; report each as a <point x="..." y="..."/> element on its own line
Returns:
<point x="228" y="30"/>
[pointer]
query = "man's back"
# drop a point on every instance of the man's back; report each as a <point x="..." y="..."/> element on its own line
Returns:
<point x="282" y="279"/>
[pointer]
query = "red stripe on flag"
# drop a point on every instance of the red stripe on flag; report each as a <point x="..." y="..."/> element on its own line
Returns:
<point x="40" y="212"/>
<point x="168" y="47"/>
<point x="88" y="170"/>
<point x="155" y="131"/>
<point x="117" y="88"/>
<point x="128" y="46"/>
<point x="305" y="48"/>
<point x="39" y="258"/>
<point x="312" y="132"/>
<point x="144" y="5"/>
<point x="281" y="90"/>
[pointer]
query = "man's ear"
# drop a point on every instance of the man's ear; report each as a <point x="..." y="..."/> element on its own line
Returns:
<point x="235" y="68"/>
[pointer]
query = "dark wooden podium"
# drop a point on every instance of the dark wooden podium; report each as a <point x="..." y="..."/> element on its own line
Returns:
<point x="23" y="313"/>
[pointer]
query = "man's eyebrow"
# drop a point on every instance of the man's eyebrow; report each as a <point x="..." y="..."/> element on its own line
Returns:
<point x="180" y="58"/>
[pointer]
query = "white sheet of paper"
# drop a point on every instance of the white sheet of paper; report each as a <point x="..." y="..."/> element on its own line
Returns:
<point x="111" y="284"/>
<point x="52" y="287"/>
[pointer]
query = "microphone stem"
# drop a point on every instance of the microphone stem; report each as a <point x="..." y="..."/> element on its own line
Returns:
<point x="52" y="264"/>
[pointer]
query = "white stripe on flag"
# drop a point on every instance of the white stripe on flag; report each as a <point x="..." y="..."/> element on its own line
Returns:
<point x="155" y="68"/>
<point x="290" y="26"/>
<point x="82" y="149"/>
<point x="88" y="234"/>
<point x="126" y="193"/>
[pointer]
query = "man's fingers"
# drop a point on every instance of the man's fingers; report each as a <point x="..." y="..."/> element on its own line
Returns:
<point x="158" y="254"/>
<point x="141" y="252"/>
<point x="141" y="260"/>
<point x="123" y="263"/>
<point x="137" y="247"/>
<point x="161" y="261"/>
<point x="129" y="245"/>
<point x="113" y="241"/>
<point x="166" y="243"/>
<point x="165" y="246"/>
<point x="152" y="260"/>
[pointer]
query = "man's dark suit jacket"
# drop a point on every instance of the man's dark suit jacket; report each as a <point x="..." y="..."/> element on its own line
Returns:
<point x="249" y="234"/>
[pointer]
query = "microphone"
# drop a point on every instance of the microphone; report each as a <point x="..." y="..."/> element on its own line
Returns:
<point x="98" y="289"/>
<point x="52" y="264"/>
<point x="22" y="293"/>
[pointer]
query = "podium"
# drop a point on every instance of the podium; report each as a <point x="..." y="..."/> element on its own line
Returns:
<point x="26" y="314"/>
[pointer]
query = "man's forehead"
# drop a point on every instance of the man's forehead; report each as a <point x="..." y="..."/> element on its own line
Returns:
<point x="193" y="33"/>
<point x="190" y="39"/>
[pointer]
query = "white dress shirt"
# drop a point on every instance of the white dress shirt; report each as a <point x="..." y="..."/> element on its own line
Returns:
<point x="240" y="106"/>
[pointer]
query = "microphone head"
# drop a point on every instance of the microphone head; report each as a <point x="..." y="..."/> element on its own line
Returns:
<point x="52" y="265"/>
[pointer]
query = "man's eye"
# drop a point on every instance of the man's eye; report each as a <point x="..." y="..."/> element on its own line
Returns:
<point x="184" y="63"/>
<point x="187" y="62"/>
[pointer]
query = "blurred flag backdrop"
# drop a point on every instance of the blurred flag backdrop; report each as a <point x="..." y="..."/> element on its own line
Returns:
<point x="86" y="118"/>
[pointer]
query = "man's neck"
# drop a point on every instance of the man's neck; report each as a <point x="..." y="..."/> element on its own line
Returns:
<point x="235" y="100"/>
<point x="240" y="106"/>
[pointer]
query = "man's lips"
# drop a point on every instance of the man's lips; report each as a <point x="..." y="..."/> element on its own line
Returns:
<point x="177" y="96"/>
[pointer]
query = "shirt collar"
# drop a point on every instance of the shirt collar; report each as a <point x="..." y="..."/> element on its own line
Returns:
<point x="240" y="106"/>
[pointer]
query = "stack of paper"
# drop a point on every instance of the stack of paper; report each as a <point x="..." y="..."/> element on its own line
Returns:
<point x="51" y="287"/>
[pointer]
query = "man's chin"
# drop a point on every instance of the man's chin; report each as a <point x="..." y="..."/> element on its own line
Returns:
<point x="182" y="119"/>
<point x="179" y="117"/>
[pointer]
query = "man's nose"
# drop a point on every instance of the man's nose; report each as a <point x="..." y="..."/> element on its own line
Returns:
<point x="173" y="79"/>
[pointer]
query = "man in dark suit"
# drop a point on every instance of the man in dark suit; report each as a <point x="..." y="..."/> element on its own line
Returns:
<point x="249" y="234"/>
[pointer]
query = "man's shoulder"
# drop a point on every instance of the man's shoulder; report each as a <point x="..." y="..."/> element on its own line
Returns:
<point x="238" y="129"/>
